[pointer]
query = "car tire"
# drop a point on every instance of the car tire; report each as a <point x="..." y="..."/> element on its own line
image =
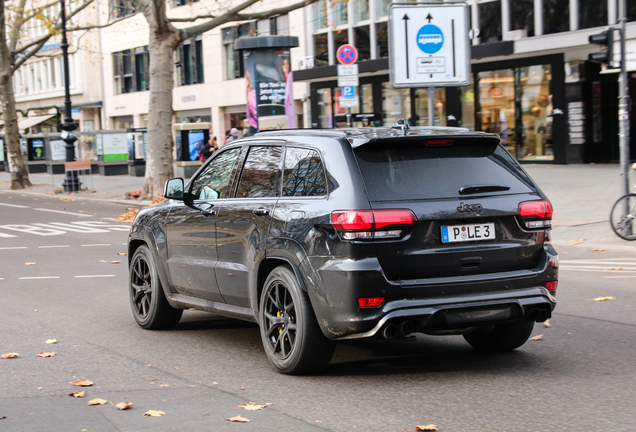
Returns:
<point x="500" y="338"/>
<point x="147" y="299"/>
<point x="292" y="339"/>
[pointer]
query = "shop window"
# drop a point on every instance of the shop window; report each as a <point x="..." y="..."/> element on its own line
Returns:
<point x="396" y="104"/>
<point x="130" y="70"/>
<point x="556" y="16"/>
<point x="489" y="21"/>
<point x="121" y="8"/>
<point x="321" y="15"/>
<point x="362" y="42"/>
<point x="522" y="16"/>
<point x="123" y="122"/>
<point x="382" y="39"/>
<point x="340" y="37"/>
<point x="366" y="98"/>
<point x="467" y="106"/>
<point x="325" y="117"/>
<point x="421" y="117"/>
<point x="321" y="49"/>
<point x="190" y="62"/>
<point x="592" y="13"/>
<point x="361" y="8"/>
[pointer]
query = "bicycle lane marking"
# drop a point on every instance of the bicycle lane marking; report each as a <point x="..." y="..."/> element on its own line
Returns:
<point x="59" y="228"/>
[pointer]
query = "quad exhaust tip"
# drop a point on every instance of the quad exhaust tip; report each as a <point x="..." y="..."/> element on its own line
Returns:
<point x="537" y="315"/>
<point x="403" y="328"/>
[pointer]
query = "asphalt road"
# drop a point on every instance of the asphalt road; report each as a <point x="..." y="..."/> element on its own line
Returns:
<point x="579" y="376"/>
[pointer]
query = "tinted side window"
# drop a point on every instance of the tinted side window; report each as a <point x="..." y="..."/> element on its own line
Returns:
<point x="303" y="174"/>
<point x="260" y="173"/>
<point x="214" y="181"/>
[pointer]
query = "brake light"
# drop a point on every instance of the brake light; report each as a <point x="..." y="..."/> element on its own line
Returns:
<point x="438" y="142"/>
<point x="536" y="214"/>
<point x="370" y="302"/>
<point x="551" y="286"/>
<point x="368" y="224"/>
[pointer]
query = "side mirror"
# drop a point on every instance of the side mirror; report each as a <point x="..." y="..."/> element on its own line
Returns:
<point x="174" y="189"/>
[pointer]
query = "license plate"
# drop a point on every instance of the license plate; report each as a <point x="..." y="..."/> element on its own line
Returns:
<point x="465" y="233"/>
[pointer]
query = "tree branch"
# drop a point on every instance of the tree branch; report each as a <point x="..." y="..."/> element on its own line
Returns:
<point x="16" y="25"/>
<point x="278" y="11"/>
<point x="191" y="19"/>
<point x="28" y="55"/>
<point x="102" y="25"/>
<point x="228" y="16"/>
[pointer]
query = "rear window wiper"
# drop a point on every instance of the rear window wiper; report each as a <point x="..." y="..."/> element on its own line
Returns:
<point x="466" y="190"/>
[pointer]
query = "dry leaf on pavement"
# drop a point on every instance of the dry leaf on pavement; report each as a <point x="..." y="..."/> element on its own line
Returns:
<point x="29" y="263"/>
<point x="547" y="324"/>
<point x="115" y="262"/>
<point x="538" y="337"/>
<point x="78" y="394"/>
<point x="239" y="418"/>
<point x="46" y="354"/>
<point x="103" y="261"/>
<point x="124" y="405"/>
<point x="122" y="253"/>
<point x="597" y="250"/>
<point x="82" y="383"/>
<point x="430" y="427"/>
<point x="164" y="385"/>
<point x="616" y="268"/>
<point x="9" y="355"/>
<point x="50" y="341"/>
<point x="252" y="406"/>
<point x="154" y="413"/>
<point x="577" y="240"/>
<point x="97" y="401"/>
<point x="604" y="298"/>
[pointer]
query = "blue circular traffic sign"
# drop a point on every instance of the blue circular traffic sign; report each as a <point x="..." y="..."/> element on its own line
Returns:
<point x="347" y="54"/>
<point x="430" y="39"/>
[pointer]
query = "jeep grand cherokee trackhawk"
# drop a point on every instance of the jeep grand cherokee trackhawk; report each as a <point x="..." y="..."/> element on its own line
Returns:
<point x="325" y="235"/>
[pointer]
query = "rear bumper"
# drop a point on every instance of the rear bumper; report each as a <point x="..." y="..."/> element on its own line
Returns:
<point x="433" y="304"/>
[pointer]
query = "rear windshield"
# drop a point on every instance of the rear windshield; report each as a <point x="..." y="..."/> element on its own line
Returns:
<point x="394" y="170"/>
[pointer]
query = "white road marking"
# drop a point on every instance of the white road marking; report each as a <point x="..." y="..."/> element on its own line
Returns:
<point x="618" y="277"/>
<point x="39" y="277"/>
<point x="104" y="244"/>
<point x="31" y="229"/>
<point x="14" y="205"/>
<point x="54" y="246"/>
<point x="16" y="247"/>
<point x="3" y="235"/>
<point x="598" y="270"/>
<point x="64" y="212"/>
<point x="72" y="228"/>
<point x="94" y="276"/>
<point x="1" y="278"/>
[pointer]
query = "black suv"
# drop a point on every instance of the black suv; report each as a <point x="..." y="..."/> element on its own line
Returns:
<point x="325" y="235"/>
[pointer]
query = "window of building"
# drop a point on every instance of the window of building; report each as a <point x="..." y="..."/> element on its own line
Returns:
<point x="362" y="42"/>
<point x="130" y="70"/>
<point x="234" y="59"/>
<point x="341" y="16"/>
<point x="322" y="21"/>
<point x="121" y="8"/>
<point x="592" y="13"/>
<point x="304" y="174"/>
<point x="190" y="62"/>
<point x="321" y="49"/>
<point x="361" y="8"/>
<point x="260" y="176"/>
<point x="522" y="16"/>
<point x="383" y="7"/>
<point x="340" y="37"/>
<point x="489" y="21"/>
<point x="382" y="39"/>
<point x="556" y="16"/>
<point x="631" y="10"/>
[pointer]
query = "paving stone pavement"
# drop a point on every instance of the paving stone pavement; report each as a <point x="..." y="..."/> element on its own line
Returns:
<point x="582" y="197"/>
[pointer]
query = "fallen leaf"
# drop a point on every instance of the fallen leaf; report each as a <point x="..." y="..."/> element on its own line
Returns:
<point x="577" y="240"/>
<point x="115" y="262"/>
<point x="82" y="383"/>
<point x="9" y="355"/>
<point x="239" y="418"/>
<point x="604" y="298"/>
<point x="252" y="406"/>
<point x="597" y="250"/>
<point x="164" y="385"/>
<point x="40" y="388"/>
<point x="318" y="421"/>
<point x="153" y="379"/>
<point x="124" y="405"/>
<point x="430" y="427"/>
<point x="616" y="268"/>
<point x="46" y="354"/>
<point x="78" y="394"/>
<point x="538" y="337"/>
<point x="147" y="366"/>
<point x="122" y="253"/>
<point x="547" y="324"/>
<point x="29" y="263"/>
<point x="214" y="383"/>
<point x="3" y="417"/>
<point x="104" y="261"/>
<point x="242" y="388"/>
<point x="154" y="413"/>
<point x="97" y="401"/>
<point x="50" y="341"/>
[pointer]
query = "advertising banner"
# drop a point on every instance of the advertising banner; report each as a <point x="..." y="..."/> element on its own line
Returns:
<point x="58" y="150"/>
<point x="115" y="147"/>
<point x="269" y="81"/>
<point x="1" y="150"/>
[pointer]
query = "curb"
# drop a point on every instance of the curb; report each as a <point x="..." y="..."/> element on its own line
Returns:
<point x="142" y="203"/>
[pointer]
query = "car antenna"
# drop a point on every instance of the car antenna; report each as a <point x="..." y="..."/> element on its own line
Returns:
<point x="402" y="124"/>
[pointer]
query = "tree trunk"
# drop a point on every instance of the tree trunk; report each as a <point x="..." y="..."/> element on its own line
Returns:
<point x="164" y="39"/>
<point x="19" y="174"/>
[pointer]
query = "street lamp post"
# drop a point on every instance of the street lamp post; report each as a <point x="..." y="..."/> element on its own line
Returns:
<point x="71" y="182"/>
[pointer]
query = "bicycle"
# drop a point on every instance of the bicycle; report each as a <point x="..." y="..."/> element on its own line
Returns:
<point x="623" y="217"/>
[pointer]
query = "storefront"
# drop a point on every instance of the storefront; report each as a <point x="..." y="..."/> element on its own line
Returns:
<point x="522" y="100"/>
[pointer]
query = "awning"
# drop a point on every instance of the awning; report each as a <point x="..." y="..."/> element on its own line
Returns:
<point x="28" y="122"/>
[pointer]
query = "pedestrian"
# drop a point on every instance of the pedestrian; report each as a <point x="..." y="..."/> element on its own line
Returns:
<point x="227" y="135"/>
<point x="210" y="147"/>
<point x="233" y="135"/>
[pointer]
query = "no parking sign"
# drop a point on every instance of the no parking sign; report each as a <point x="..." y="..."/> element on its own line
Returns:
<point x="347" y="54"/>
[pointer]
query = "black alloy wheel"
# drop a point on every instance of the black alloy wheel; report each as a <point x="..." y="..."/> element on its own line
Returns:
<point x="292" y="339"/>
<point x="149" y="304"/>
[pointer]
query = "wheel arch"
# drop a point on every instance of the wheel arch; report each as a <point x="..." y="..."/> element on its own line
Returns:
<point x="265" y="268"/>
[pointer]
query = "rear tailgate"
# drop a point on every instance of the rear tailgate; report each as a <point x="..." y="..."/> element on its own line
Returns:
<point x="458" y="233"/>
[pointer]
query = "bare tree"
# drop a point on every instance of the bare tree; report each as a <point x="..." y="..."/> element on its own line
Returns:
<point x="164" y="40"/>
<point x="14" y="52"/>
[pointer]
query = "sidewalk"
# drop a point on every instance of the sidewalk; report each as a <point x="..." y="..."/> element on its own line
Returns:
<point x="582" y="196"/>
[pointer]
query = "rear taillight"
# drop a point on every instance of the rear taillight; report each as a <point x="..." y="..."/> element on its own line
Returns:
<point x="551" y="286"/>
<point x="535" y="214"/>
<point x="370" y="224"/>
<point x="370" y="302"/>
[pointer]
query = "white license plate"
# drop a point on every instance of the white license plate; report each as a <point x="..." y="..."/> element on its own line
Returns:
<point x="464" y="233"/>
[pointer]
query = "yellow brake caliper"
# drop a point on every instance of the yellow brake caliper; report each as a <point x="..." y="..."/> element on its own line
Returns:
<point x="280" y="329"/>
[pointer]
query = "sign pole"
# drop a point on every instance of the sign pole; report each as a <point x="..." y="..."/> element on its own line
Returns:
<point x="349" y="122"/>
<point x="623" y="104"/>
<point x="431" y="106"/>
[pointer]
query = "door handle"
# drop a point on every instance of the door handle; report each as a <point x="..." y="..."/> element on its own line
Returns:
<point x="207" y="209"/>
<point x="261" y="212"/>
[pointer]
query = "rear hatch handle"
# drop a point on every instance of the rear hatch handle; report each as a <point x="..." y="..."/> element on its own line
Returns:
<point x="473" y="189"/>
<point x="261" y="212"/>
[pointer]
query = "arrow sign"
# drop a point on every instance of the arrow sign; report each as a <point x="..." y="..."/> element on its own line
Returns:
<point x="429" y="18"/>
<point x="406" y="33"/>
